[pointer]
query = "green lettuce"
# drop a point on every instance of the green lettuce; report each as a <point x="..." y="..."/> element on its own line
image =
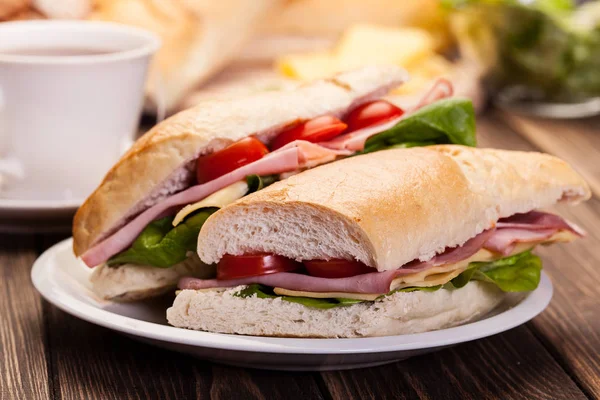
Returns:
<point x="445" y="121"/>
<point x="263" y="292"/>
<point x="518" y="273"/>
<point x="550" y="48"/>
<point x="162" y="245"/>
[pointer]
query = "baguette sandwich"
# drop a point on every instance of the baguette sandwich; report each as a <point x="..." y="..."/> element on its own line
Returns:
<point x="394" y="242"/>
<point x="139" y="228"/>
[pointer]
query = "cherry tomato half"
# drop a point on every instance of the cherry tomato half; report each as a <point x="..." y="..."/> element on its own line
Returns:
<point x="232" y="267"/>
<point x="372" y="113"/>
<point x="232" y="157"/>
<point x="318" y="129"/>
<point x="336" y="268"/>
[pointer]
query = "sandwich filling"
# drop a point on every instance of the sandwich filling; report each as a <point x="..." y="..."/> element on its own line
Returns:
<point x="164" y="234"/>
<point x="500" y="256"/>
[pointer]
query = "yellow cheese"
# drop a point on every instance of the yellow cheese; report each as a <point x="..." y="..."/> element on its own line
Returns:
<point x="411" y="48"/>
<point x="371" y="44"/>
<point x="326" y="295"/>
<point x="218" y="199"/>
<point x="309" y="66"/>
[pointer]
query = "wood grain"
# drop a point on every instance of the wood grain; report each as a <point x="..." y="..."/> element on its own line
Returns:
<point x="23" y="363"/>
<point x="513" y="365"/>
<point x="569" y="328"/>
<point x="46" y="353"/>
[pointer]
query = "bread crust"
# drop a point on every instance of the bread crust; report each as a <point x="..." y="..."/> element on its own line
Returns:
<point x="397" y="314"/>
<point x="391" y="207"/>
<point x="160" y="162"/>
<point x="131" y="282"/>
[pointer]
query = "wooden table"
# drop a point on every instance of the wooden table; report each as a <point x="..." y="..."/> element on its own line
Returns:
<point x="46" y="353"/>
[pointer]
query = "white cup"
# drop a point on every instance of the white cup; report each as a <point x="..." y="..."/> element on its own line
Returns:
<point x="71" y="96"/>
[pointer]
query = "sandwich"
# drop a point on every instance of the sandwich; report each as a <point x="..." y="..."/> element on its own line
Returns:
<point x="139" y="228"/>
<point x="395" y="242"/>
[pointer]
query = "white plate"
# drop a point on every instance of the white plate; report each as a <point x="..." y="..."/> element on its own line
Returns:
<point x="63" y="281"/>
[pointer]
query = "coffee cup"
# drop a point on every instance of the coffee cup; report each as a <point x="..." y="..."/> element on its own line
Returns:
<point x="71" y="96"/>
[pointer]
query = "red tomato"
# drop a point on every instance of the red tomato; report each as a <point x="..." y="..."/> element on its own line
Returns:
<point x="318" y="129"/>
<point x="372" y="113"/>
<point x="232" y="267"/>
<point x="232" y="157"/>
<point x="336" y="268"/>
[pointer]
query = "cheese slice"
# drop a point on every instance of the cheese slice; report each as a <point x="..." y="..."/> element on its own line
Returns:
<point x="326" y="295"/>
<point x="219" y="199"/>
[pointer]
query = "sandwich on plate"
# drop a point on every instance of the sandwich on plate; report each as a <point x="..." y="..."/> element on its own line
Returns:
<point x="140" y="227"/>
<point x="393" y="242"/>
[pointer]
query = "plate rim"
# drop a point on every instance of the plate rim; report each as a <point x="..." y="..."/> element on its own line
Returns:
<point x="527" y="309"/>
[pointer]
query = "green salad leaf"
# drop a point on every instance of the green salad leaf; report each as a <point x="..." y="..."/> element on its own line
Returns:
<point x="256" y="182"/>
<point x="445" y="121"/>
<point x="162" y="245"/>
<point x="263" y="292"/>
<point x="547" y="49"/>
<point x="518" y="273"/>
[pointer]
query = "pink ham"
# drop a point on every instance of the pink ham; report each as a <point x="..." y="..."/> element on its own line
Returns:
<point x="312" y="154"/>
<point x="505" y="239"/>
<point x="441" y="89"/>
<point x="533" y="226"/>
<point x="538" y="220"/>
<point x="374" y="282"/>
<point x="356" y="140"/>
<point x="273" y="163"/>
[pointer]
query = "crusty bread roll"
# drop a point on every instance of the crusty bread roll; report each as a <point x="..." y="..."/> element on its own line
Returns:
<point x="130" y="282"/>
<point x="161" y="162"/>
<point x="199" y="37"/>
<point x="397" y="314"/>
<point x="388" y="208"/>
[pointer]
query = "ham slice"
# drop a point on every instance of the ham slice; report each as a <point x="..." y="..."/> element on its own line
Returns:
<point x="313" y="154"/>
<point x="441" y="89"/>
<point x="274" y="163"/>
<point x="533" y="226"/>
<point x="356" y="140"/>
<point x="504" y="240"/>
<point x="538" y="220"/>
<point x="374" y="282"/>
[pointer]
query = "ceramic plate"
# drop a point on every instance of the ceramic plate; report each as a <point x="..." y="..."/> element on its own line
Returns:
<point x="63" y="281"/>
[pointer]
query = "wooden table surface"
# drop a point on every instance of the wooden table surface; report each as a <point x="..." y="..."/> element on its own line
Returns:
<point x="46" y="353"/>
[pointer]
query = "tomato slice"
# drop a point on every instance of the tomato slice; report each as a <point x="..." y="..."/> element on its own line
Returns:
<point x="336" y="268"/>
<point x="372" y="113"/>
<point x="316" y="130"/>
<point x="232" y="267"/>
<point x="232" y="157"/>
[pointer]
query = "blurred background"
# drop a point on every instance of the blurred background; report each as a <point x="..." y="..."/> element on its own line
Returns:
<point x="535" y="51"/>
<point x="534" y="58"/>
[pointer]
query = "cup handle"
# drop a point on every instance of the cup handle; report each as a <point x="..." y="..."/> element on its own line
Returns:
<point x="11" y="169"/>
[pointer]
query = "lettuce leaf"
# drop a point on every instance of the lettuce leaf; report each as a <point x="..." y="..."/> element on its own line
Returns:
<point x="263" y="292"/>
<point x="445" y="121"/>
<point x="518" y="273"/>
<point x="162" y="245"/>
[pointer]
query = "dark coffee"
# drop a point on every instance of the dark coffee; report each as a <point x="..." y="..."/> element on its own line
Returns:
<point x="55" y="51"/>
